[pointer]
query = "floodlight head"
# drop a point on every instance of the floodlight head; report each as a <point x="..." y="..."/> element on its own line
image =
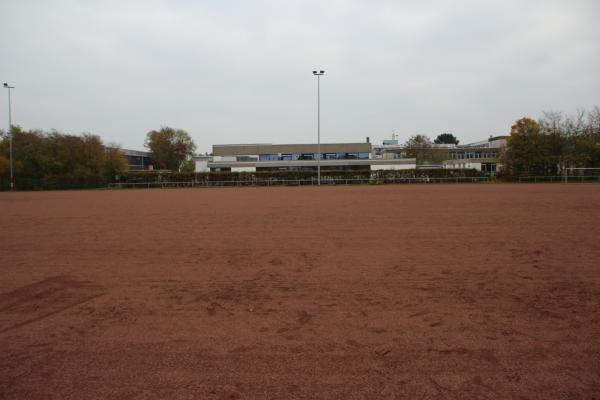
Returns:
<point x="5" y="84"/>
<point x="322" y="72"/>
<point x="314" y="73"/>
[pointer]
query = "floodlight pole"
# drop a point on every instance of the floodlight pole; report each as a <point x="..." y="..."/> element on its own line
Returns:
<point x="10" y="138"/>
<point x="318" y="75"/>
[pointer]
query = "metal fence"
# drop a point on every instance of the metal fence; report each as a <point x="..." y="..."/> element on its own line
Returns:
<point x="300" y="182"/>
<point x="559" y="179"/>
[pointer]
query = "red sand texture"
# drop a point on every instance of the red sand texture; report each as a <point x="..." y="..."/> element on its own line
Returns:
<point x="415" y="291"/>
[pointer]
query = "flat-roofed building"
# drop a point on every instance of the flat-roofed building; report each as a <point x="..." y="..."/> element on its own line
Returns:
<point x="483" y="156"/>
<point x="137" y="160"/>
<point x="273" y="157"/>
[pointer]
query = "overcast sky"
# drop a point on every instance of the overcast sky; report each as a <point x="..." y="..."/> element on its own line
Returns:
<point x="240" y="71"/>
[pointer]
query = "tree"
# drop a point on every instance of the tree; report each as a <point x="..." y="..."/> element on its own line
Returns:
<point x="418" y="141"/>
<point x="419" y="147"/>
<point x="581" y="138"/>
<point x="188" y="166"/>
<point x="533" y="149"/>
<point x="446" y="138"/>
<point x="4" y="165"/>
<point x="30" y="153"/>
<point x="171" y="148"/>
<point x="4" y="161"/>
<point x="114" y="163"/>
<point x="523" y="152"/>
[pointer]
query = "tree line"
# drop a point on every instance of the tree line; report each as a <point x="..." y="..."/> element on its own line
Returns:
<point x="55" y="160"/>
<point x="552" y="144"/>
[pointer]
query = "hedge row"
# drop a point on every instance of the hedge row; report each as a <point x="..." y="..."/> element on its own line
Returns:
<point x="260" y="176"/>
<point x="79" y="181"/>
<point x="55" y="182"/>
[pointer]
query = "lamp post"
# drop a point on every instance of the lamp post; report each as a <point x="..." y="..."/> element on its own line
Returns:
<point x="10" y="137"/>
<point x="318" y="75"/>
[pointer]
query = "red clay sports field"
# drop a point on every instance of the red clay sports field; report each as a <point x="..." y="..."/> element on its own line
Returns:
<point x="486" y="291"/>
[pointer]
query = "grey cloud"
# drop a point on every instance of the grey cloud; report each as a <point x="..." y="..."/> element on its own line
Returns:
<point x="239" y="71"/>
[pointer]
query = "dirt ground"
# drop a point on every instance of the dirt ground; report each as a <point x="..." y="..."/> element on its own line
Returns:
<point x="359" y="292"/>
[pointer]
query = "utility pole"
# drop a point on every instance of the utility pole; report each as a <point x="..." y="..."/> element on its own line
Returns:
<point x="318" y="75"/>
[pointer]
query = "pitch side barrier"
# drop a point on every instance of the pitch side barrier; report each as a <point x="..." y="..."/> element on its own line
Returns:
<point x="300" y="182"/>
<point x="560" y="179"/>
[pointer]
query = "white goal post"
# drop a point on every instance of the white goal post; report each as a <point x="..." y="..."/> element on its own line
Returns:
<point x="581" y="177"/>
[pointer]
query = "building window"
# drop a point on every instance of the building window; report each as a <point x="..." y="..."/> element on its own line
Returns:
<point x="246" y="158"/>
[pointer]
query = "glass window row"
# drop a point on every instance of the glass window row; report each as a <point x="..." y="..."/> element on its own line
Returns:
<point x="313" y="156"/>
<point x="472" y="155"/>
